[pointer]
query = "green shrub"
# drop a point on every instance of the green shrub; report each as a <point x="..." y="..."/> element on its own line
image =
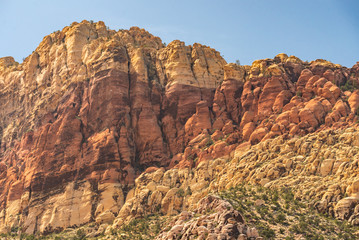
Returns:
<point x="281" y="218"/>
<point x="349" y="85"/>
<point x="266" y="232"/>
<point x="209" y="142"/>
<point x="188" y="191"/>
<point x="180" y="192"/>
<point x="80" y="234"/>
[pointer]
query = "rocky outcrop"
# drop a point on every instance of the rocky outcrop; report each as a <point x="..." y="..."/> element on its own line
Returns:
<point x="218" y="221"/>
<point x="100" y="125"/>
<point x="93" y="108"/>
<point x="320" y="168"/>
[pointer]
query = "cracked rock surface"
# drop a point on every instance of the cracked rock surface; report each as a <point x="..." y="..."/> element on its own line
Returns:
<point x="103" y="126"/>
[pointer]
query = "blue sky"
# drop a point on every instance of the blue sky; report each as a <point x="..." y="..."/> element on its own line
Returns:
<point x="243" y="30"/>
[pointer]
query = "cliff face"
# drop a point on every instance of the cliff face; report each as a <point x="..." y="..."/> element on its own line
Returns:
<point x="91" y="109"/>
<point x="86" y="113"/>
<point x="320" y="168"/>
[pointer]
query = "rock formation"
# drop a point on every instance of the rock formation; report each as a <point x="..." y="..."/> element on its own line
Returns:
<point x="224" y="223"/>
<point x="104" y="126"/>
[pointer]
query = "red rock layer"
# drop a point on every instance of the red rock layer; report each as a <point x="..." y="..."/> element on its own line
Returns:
<point x="96" y="105"/>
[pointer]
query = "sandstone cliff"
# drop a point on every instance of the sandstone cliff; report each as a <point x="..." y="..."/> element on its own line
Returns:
<point x="103" y="126"/>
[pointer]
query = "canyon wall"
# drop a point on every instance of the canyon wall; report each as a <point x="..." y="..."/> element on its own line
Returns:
<point x="91" y="109"/>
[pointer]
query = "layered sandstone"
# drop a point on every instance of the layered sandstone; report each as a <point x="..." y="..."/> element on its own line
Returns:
<point x="321" y="169"/>
<point x="95" y="123"/>
<point x="86" y="112"/>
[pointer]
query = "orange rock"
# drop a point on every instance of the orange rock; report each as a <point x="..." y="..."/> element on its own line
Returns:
<point x="247" y="117"/>
<point x="217" y="135"/>
<point x="294" y="115"/>
<point x="258" y="135"/>
<point x="151" y="169"/>
<point x="311" y="82"/>
<point x="176" y="159"/>
<point x="219" y="122"/>
<point x="219" y="150"/>
<point x="294" y="130"/>
<point x="281" y="100"/>
<point x="342" y="108"/>
<point x="329" y="75"/>
<point x="354" y="101"/>
<point x="247" y="98"/>
<point x="317" y="109"/>
<point x="305" y="75"/>
<point x="329" y="121"/>
<point x="233" y="138"/>
<point x="199" y="121"/>
<point x="92" y="106"/>
<point x="248" y="130"/>
<point x="267" y="99"/>
<point x="275" y="128"/>
<point x="228" y="128"/>
<point x="307" y="116"/>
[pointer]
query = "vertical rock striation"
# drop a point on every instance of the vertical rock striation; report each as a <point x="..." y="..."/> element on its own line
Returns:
<point x="91" y="109"/>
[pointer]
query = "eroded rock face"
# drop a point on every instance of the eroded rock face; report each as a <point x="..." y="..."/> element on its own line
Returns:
<point x="91" y="109"/>
<point x="320" y="168"/>
<point x="218" y="220"/>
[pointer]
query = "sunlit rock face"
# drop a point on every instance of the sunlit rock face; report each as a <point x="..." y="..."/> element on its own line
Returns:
<point x="86" y="113"/>
<point x="91" y="109"/>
